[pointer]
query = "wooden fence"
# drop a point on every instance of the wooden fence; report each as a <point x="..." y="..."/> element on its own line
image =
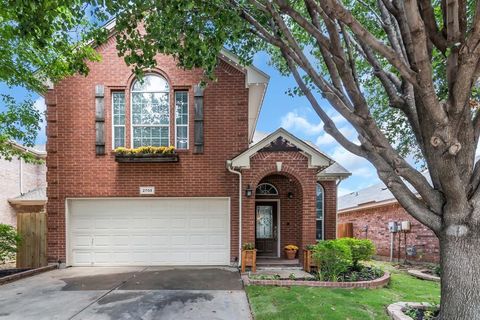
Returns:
<point x="32" y="252"/>
<point x="345" y="230"/>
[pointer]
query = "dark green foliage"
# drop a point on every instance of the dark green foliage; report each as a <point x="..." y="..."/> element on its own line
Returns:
<point x="9" y="240"/>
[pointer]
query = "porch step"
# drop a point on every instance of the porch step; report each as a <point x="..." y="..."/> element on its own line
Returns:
<point x="277" y="264"/>
<point x="277" y="268"/>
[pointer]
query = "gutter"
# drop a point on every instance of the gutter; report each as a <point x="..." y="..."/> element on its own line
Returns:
<point x="230" y="168"/>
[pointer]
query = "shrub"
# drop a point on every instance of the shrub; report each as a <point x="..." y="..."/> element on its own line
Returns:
<point x="362" y="250"/>
<point x="9" y="240"/>
<point x="333" y="258"/>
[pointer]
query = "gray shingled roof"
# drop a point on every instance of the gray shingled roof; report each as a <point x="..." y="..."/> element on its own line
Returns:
<point x="376" y="193"/>
<point x="39" y="194"/>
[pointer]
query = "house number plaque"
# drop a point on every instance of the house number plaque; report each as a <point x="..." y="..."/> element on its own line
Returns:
<point x="147" y="190"/>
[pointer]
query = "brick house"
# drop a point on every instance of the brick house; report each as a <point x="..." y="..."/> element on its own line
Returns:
<point x="371" y="209"/>
<point x="185" y="210"/>
<point x="23" y="185"/>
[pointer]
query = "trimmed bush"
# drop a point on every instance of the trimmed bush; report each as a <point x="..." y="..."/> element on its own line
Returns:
<point x="333" y="258"/>
<point x="361" y="249"/>
<point x="9" y="240"/>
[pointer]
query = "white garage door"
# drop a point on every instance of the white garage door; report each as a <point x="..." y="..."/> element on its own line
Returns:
<point x="123" y="232"/>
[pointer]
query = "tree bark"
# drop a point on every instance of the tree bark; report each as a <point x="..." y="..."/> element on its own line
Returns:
<point x="460" y="265"/>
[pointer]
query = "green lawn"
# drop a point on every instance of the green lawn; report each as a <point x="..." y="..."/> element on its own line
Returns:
<point x="331" y="304"/>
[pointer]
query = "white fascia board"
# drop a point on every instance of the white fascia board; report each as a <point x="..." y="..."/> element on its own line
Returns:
<point x="315" y="158"/>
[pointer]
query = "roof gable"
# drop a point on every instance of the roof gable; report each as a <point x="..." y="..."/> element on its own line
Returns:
<point x="282" y="140"/>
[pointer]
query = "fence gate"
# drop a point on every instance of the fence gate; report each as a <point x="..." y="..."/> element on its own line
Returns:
<point x="32" y="252"/>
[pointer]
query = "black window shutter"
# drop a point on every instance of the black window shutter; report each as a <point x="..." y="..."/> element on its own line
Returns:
<point x="198" y="120"/>
<point x="99" y="120"/>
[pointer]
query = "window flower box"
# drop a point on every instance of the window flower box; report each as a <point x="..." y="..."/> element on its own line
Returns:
<point x="146" y="155"/>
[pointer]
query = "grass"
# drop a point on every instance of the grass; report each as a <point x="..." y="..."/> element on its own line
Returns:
<point x="346" y="304"/>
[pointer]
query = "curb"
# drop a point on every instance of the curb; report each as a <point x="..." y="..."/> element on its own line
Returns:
<point x="372" y="284"/>
<point x="26" y="274"/>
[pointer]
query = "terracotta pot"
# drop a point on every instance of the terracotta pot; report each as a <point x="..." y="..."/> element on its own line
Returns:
<point x="290" y="254"/>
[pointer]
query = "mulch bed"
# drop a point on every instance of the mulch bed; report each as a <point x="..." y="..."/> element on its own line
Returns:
<point x="8" y="272"/>
<point x="9" y="275"/>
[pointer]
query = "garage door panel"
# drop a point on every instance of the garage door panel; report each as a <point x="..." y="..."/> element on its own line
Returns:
<point x="177" y="231"/>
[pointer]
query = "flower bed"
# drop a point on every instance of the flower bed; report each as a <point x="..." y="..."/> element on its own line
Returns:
<point x="412" y="311"/>
<point x="377" y="283"/>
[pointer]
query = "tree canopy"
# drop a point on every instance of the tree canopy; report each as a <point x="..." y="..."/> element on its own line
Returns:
<point x="41" y="41"/>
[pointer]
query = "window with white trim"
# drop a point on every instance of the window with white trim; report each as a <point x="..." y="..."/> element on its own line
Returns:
<point x="320" y="212"/>
<point x="118" y="119"/>
<point x="181" y="119"/>
<point x="150" y="112"/>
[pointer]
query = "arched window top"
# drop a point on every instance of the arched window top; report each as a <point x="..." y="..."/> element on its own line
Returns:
<point x="266" y="189"/>
<point x="151" y="83"/>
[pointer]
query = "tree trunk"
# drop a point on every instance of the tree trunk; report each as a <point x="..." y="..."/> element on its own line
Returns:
<point x="460" y="263"/>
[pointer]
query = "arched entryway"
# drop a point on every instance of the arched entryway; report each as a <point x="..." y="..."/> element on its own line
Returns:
<point x="278" y="214"/>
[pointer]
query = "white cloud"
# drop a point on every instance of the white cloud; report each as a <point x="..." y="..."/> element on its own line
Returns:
<point x="296" y="122"/>
<point x="326" y="139"/>
<point x="358" y="166"/>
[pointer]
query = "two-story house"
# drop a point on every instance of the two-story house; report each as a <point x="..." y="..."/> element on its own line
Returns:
<point x="219" y="190"/>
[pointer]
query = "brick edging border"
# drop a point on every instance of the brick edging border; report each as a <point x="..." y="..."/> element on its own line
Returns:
<point x="25" y="274"/>
<point x="372" y="284"/>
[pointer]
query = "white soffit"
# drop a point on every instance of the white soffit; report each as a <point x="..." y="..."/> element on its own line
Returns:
<point x="315" y="158"/>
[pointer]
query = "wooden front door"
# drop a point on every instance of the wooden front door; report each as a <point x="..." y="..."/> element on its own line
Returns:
<point x="266" y="237"/>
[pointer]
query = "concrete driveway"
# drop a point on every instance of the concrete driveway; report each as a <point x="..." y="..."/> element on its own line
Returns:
<point x="127" y="293"/>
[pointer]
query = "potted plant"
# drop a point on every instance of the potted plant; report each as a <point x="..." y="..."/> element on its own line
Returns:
<point x="249" y="256"/>
<point x="308" y="262"/>
<point x="291" y="251"/>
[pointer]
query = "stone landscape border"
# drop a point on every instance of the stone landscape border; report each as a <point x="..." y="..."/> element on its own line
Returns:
<point x="422" y="275"/>
<point x="372" y="284"/>
<point x="395" y="310"/>
<point x="25" y="274"/>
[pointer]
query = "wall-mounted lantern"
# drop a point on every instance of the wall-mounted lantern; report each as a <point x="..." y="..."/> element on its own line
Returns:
<point x="290" y="195"/>
<point x="248" y="191"/>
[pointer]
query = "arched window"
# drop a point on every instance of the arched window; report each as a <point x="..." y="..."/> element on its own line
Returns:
<point x="265" y="189"/>
<point x="320" y="209"/>
<point x="150" y="111"/>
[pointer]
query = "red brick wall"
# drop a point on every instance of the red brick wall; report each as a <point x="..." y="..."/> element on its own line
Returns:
<point x="377" y="219"/>
<point x="75" y="171"/>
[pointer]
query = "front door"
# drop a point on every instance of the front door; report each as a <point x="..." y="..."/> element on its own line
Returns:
<point x="266" y="228"/>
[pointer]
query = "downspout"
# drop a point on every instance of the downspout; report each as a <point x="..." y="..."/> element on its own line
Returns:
<point x="21" y="176"/>
<point x="229" y="168"/>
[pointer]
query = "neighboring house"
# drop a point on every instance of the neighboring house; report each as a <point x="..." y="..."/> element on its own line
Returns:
<point x="102" y="212"/>
<point x="371" y="209"/>
<point x="22" y="185"/>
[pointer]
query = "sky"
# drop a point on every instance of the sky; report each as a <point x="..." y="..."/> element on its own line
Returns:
<point x="294" y="114"/>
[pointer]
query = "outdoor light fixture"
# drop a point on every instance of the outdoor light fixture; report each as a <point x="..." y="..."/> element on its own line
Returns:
<point x="290" y="195"/>
<point x="249" y="191"/>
